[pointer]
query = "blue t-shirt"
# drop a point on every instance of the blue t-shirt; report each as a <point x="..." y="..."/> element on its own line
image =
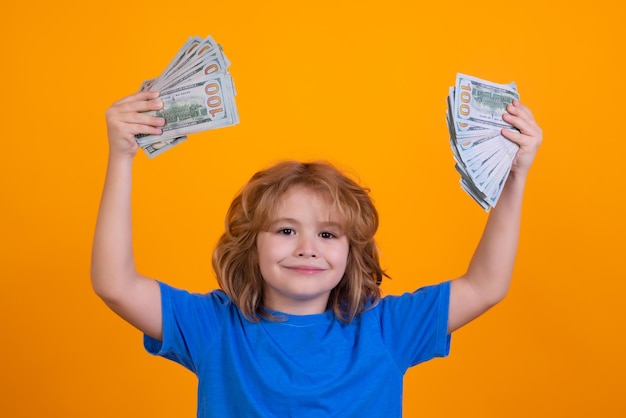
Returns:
<point x="306" y="366"/>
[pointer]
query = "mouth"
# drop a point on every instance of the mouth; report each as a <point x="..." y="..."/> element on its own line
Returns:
<point x="307" y="270"/>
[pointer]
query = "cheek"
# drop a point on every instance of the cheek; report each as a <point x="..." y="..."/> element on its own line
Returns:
<point x="264" y="262"/>
<point x="262" y="248"/>
<point x="343" y="256"/>
<point x="270" y="250"/>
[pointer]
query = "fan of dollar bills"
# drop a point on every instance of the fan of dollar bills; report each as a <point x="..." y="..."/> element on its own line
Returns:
<point x="483" y="156"/>
<point x="197" y="92"/>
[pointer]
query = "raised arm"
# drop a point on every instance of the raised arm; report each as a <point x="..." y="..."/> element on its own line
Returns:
<point x="488" y="277"/>
<point x="134" y="297"/>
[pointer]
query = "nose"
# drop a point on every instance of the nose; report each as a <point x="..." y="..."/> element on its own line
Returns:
<point x="306" y="247"/>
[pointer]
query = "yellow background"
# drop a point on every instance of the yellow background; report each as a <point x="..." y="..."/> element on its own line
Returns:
<point x="359" y="83"/>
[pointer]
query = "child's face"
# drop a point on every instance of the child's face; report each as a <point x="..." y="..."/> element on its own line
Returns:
<point x="303" y="254"/>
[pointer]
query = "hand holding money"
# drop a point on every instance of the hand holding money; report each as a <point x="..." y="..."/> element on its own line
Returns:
<point x="197" y="93"/>
<point x="129" y="117"/>
<point x="475" y="119"/>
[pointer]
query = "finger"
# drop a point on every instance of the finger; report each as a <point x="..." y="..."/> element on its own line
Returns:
<point x="521" y="118"/>
<point x="138" y="106"/>
<point x="526" y="127"/>
<point x="139" y="129"/>
<point x="129" y="132"/>
<point x="134" y="112"/>
<point x="141" y="119"/>
<point x="523" y="108"/>
<point x="141" y="96"/>
<point x="527" y="137"/>
<point x="513" y="136"/>
<point x="519" y="109"/>
<point x="128" y="125"/>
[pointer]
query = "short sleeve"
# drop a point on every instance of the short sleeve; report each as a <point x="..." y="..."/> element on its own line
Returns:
<point x="414" y="326"/>
<point x="190" y="323"/>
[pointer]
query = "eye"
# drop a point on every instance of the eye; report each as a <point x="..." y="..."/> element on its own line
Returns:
<point x="286" y="231"/>
<point x="327" y="235"/>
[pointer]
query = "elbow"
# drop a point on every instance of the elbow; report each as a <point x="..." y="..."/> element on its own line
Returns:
<point x="103" y="290"/>
<point x="99" y="282"/>
<point x="112" y="296"/>
<point x="96" y="282"/>
<point x="106" y="287"/>
<point x="495" y="296"/>
<point x="490" y="287"/>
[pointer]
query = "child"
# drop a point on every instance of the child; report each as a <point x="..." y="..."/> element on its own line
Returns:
<point x="298" y="328"/>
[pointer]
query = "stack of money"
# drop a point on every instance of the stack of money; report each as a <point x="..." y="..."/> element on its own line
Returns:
<point x="197" y="92"/>
<point x="483" y="156"/>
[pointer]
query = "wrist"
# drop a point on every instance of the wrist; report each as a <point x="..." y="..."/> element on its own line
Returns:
<point x="119" y="158"/>
<point x="127" y="152"/>
<point x="518" y="175"/>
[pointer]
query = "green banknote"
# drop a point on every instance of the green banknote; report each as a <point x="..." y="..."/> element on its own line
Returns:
<point x="482" y="103"/>
<point x="483" y="156"/>
<point x="197" y="92"/>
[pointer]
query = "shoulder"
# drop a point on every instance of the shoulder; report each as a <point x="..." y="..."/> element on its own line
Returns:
<point x="191" y="323"/>
<point x="174" y="298"/>
<point x="428" y="303"/>
<point x="422" y="298"/>
<point x="413" y="326"/>
<point x="217" y="294"/>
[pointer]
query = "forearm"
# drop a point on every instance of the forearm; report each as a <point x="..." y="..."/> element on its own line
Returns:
<point x="491" y="266"/>
<point x="113" y="266"/>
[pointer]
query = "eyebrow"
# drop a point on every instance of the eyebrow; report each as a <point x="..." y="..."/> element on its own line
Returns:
<point x="326" y="224"/>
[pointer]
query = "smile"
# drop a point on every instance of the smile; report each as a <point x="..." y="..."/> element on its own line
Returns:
<point x="306" y="269"/>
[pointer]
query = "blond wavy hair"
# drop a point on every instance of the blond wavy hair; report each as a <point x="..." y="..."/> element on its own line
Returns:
<point x="235" y="258"/>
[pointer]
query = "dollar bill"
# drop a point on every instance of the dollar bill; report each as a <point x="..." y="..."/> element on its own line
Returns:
<point x="156" y="148"/>
<point x="188" y="48"/>
<point x="195" y="107"/>
<point x="209" y="64"/>
<point x="197" y="92"/>
<point x="482" y="103"/>
<point x="483" y="157"/>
